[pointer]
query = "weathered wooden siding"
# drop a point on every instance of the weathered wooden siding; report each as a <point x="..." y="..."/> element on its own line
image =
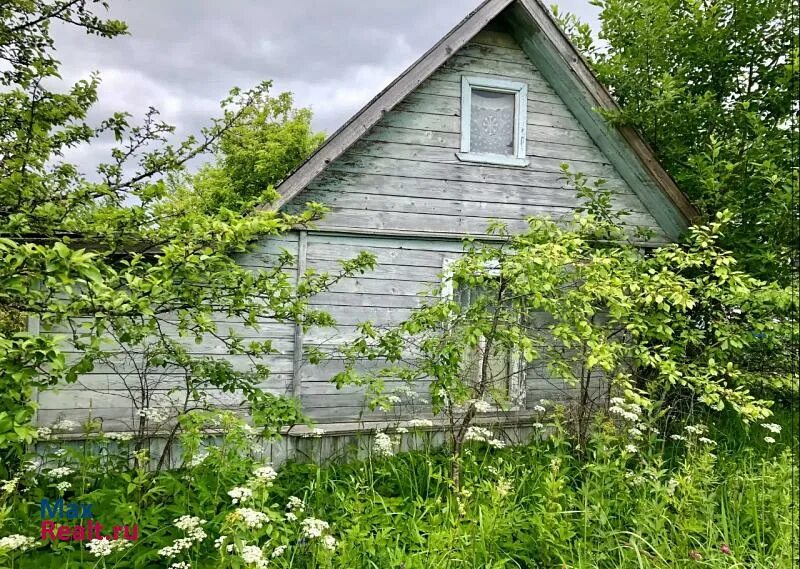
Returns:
<point x="403" y="176"/>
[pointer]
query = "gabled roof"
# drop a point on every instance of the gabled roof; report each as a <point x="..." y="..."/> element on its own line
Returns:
<point x="562" y="65"/>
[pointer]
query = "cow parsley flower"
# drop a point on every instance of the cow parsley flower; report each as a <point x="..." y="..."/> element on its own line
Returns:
<point x="198" y="459"/>
<point x="769" y="440"/>
<point x="631" y="449"/>
<point x="539" y="409"/>
<point x="314" y="434"/>
<point x="538" y="426"/>
<point x="496" y="443"/>
<point x="180" y="565"/>
<point x="220" y="541"/>
<point x="240" y="494"/>
<point x="60" y="472"/>
<point x="252" y="554"/>
<point x="122" y="437"/>
<point x="63" y="486"/>
<point x="191" y="525"/>
<point x="677" y="437"/>
<point x="313" y="528"/>
<point x="65" y="425"/>
<point x="329" y="542"/>
<point x="43" y="433"/>
<point x="278" y="551"/>
<point x="401" y="430"/>
<point x="8" y="486"/>
<point x="265" y="474"/>
<point x="251" y="518"/>
<point x="695" y="429"/>
<point x="154" y="415"/>
<point x="478" y="434"/>
<point x="635" y="432"/>
<point x="16" y="541"/>
<point x="707" y="441"/>
<point x="295" y="504"/>
<point x="105" y="547"/>
<point x="383" y="444"/>
<point x="772" y="427"/>
<point x="483" y="406"/>
<point x="419" y="423"/>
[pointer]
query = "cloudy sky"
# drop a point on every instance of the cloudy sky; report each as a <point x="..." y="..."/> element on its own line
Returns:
<point x="182" y="56"/>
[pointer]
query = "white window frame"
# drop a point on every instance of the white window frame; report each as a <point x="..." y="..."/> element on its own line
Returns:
<point x="517" y="381"/>
<point x="520" y="92"/>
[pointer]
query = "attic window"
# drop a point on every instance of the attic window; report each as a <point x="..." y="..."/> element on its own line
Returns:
<point x="493" y="121"/>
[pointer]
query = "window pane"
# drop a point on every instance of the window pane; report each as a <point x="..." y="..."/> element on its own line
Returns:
<point x="492" y="122"/>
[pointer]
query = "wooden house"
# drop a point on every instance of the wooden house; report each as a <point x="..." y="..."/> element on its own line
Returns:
<point x="475" y="130"/>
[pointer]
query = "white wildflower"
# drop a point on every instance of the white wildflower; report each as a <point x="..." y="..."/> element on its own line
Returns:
<point x="695" y="429"/>
<point x="253" y="555"/>
<point x="32" y="465"/>
<point x="16" y="541"/>
<point x="677" y="437"/>
<point x="314" y="434"/>
<point x="60" y="452"/>
<point x="252" y="518"/>
<point x="295" y="504"/>
<point x="672" y="484"/>
<point x="401" y="430"/>
<point x="240" y="494"/>
<point x="220" y="541"/>
<point x="154" y="415"/>
<point x="707" y="441"/>
<point x="122" y="437"/>
<point x="631" y="449"/>
<point x="393" y="399"/>
<point x="635" y="432"/>
<point x="198" y="459"/>
<point x="43" y="433"/>
<point x="65" y="425"/>
<point x="278" y="551"/>
<point x="616" y="401"/>
<point x="769" y="440"/>
<point x="383" y="444"/>
<point x="180" y="565"/>
<point x="8" y="486"/>
<point x="419" y="423"/>
<point x="291" y="517"/>
<point x="313" y="528"/>
<point x="478" y="434"/>
<point x="538" y="426"/>
<point x="539" y="409"/>
<point x="772" y="427"/>
<point x="63" y="486"/>
<point x="179" y="545"/>
<point x="105" y="547"/>
<point x="329" y="542"/>
<point x="496" y="443"/>
<point x="191" y="525"/>
<point x="60" y="472"/>
<point x="483" y="406"/>
<point x="265" y="474"/>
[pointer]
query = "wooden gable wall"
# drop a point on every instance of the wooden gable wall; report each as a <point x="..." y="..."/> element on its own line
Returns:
<point x="403" y="176"/>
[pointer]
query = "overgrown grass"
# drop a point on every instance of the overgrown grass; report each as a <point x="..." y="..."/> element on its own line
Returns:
<point x="668" y="503"/>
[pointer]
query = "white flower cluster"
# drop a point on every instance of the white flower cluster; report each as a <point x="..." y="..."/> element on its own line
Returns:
<point x="677" y="437"/>
<point x="628" y="411"/>
<point x="482" y="406"/>
<point x="180" y="565"/>
<point x="539" y="409"/>
<point x="707" y="441"/>
<point x="265" y="474"/>
<point x="240" y="494"/>
<point x="314" y="434"/>
<point x="194" y="533"/>
<point x="294" y="507"/>
<point x="383" y="444"/>
<point x="8" y="486"/>
<point x="478" y="434"/>
<point x="419" y="423"/>
<point x="631" y="449"/>
<point x="16" y="541"/>
<point x="329" y="542"/>
<point x="496" y="443"/>
<point x="772" y="427"/>
<point x="154" y="415"/>
<point x="105" y="547"/>
<point x="278" y="551"/>
<point x="313" y="528"/>
<point x="252" y="555"/>
<point x="401" y="430"/>
<point x="252" y="518"/>
<point x="198" y="459"/>
<point x="60" y="472"/>
<point x="43" y="433"/>
<point x="63" y="486"/>
<point x="122" y="437"/>
<point x="769" y="440"/>
<point x="65" y="425"/>
<point x="695" y="429"/>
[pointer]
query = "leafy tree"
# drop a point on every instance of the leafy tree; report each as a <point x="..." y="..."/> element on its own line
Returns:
<point x="713" y="87"/>
<point x="123" y="264"/>
<point x="584" y="306"/>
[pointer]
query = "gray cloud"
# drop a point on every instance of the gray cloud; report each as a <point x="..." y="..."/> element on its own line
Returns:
<point x="183" y="56"/>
